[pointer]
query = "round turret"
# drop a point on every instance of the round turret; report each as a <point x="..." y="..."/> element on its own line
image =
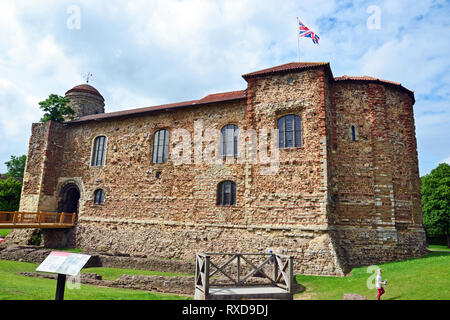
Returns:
<point x="85" y="100"/>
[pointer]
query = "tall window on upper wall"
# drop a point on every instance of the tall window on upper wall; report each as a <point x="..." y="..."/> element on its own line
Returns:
<point x="160" y="146"/>
<point x="229" y="139"/>
<point x="226" y="193"/>
<point x="290" y="131"/>
<point x="99" y="152"/>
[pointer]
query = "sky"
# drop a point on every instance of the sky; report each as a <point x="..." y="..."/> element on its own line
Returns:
<point x="145" y="53"/>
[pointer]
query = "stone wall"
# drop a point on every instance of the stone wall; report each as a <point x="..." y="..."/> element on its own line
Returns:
<point x="376" y="212"/>
<point x="32" y="178"/>
<point x="42" y="167"/>
<point x="313" y="249"/>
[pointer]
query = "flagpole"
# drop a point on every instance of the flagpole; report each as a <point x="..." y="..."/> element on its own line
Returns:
<point x="298" y="42"/>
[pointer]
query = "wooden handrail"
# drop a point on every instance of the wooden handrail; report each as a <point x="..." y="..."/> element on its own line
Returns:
<point x="17" y="218"/>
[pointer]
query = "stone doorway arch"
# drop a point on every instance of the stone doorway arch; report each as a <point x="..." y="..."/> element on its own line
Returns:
<point x="69" y="198"/>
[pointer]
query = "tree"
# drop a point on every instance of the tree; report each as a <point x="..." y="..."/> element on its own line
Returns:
<point x="10" y="189"/>
<point x="16" y="167"/>
<point x="56" y="108"/>
<point x="435" y="188"/>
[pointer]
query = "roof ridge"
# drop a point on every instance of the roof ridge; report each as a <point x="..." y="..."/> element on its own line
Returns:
<point x="365" y="77"/>
<point x="285" y="67"/>
<point x="225" y="96"/>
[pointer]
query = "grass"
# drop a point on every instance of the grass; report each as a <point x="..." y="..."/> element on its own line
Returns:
<point x="436" y="247"/>
<point x="4" y="232"/>
<point x="74" y="250"/>
<point x="17" y="287"/>
<point x="426" y="278"/>
<point x="114" y="273"/>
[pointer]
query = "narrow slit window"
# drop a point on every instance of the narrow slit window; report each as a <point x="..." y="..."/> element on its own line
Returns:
<point x="99" y="152"/>
<point x="353" y="133"/>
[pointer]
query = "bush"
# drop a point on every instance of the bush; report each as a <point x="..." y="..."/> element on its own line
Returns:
<point x="435" y="188"/>
<point x="36" y="238"/>
<point x="10" y="189"/>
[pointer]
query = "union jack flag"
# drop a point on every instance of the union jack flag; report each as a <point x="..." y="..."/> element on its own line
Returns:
<point x="305" y="32"/>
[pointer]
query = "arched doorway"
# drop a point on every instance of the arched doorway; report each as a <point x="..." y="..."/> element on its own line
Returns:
<point x="69" y="197"/>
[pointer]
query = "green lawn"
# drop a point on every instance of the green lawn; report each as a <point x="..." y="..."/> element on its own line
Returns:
<point x="16" y="287"/>
<point x="426" y="278"/>
<point x="436" y="247"/>
<point x="74" y="250"/>
<point x="4" y="232"/>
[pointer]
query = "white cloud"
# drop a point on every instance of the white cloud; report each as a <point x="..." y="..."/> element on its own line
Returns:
<point x="446" y="160"/>
<point x="151" y="52"/>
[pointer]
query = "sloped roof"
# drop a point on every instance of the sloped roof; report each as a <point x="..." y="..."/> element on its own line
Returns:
<point x="375" y="80"/>
<point x="212" y="98"/>
<point x="288" y="67"/>
<point x="86" y="88"/>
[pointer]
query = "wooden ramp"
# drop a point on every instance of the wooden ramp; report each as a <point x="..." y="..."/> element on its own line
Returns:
<point x="36" y="220"/>
<point x="231" y="276"/>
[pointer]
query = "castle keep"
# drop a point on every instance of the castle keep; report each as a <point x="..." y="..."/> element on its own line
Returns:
<point x="345" y="191"/>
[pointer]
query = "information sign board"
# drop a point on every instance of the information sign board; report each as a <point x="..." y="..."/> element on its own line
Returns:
<point x="61" y="262"/>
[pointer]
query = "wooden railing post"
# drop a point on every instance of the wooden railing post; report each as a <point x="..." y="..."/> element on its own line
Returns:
<point x="206" y="282"/>
<point x="291" y="275"/>
<point x="239" y="269"/>
<point x="275" y="268"/>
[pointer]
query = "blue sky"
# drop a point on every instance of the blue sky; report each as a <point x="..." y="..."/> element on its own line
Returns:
<point x="145" y="53"/>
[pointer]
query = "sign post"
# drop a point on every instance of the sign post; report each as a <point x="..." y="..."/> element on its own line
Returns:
<point x="64" y="264"/>
<point x="60" y="286"/>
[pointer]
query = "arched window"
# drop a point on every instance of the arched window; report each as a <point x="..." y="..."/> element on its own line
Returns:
<point x="99" y="196"/>
<point x="290" y="131"/>
<point x="353" y="133"/>
<point x="229" y="139"/>
<point x="160" y="146"/>
<point x="226" y="193"/>
<point x="99" y="152"/>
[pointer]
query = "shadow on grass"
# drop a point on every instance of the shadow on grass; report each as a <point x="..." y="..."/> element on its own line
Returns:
<point x="393" y="298"/>
<point x="437" y="253"/>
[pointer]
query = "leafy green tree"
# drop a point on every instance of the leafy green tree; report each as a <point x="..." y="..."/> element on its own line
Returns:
<point x="16" y="167"/>
<point x="436" y="201"/>
<point x="10" y="189"/>
<point x="56" y="108"/>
